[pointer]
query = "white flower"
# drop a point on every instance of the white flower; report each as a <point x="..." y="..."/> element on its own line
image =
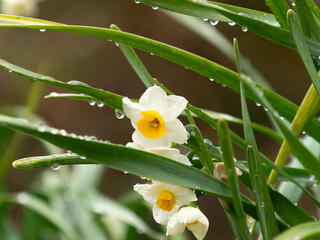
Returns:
<point x="20" y="7"/>
<point x="219" y="172"/>
<point x="155" y="118"/>
<point x="166" y="198"/>
<point x="189" y="217"/>
<point x="171" y="153"/>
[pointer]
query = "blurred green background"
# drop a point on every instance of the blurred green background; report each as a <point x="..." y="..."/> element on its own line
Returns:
<point x="101" y="64"/>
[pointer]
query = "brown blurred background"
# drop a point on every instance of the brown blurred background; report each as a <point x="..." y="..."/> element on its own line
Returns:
<point x="100" y="63"/>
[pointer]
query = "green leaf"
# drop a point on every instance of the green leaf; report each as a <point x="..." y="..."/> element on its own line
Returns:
<point x="228" y="159"/>
<point x="290" y="212"/>
<point x="279" y="8"/>
<point x="198" y="64"/>
<point x="267" y="219"/>
<point x="135" y="62"/>
<point x="39" y="206"/>
<point x="308" y="23"/>
<point x="76" y="96"/>
<point x="303" y="49"/>
<point x="262" y="24"/>
<point x="308" y="160"/>
<point x="314" y="8"/>
<point x="306" y="231"/>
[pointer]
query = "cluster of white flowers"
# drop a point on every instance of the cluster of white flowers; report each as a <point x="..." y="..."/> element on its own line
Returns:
<point x="27" y="8"/>
<point x="154" y="119"/>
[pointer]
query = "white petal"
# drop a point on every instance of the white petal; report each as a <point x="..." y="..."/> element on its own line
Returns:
<point x="135" y="146"/>
<point x="184" y="196"/>
<point x="138" y="138"/>
<point x="174" y="227"/>
<point x="132" y="110"/>
<point x="175" y="105"/>
<point x="189" y="215"/>
<point x="176" y="132"/>
<point x="171" y="153"/>
<point x="154" y="98"/>
<point x="146" y="191"/>
<point x="160" y="216"/>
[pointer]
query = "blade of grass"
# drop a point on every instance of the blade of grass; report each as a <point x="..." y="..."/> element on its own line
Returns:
<point x="267" y="219"/>
<point x="228" y="159"/>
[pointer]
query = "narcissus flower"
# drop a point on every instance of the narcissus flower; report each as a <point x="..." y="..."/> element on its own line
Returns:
<point x="155" y="118"/>
<point x="219" y="172"/>
<point x="171" y="153"/>
<point x="166" y="198"/>
<point x="189" y="217"/>
<point x="20" y="7"/>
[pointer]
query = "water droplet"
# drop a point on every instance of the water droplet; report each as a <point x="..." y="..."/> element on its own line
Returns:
<point x="137" y="2"/>
<point x="125" y="172"/>
<point x="54" y="130"/>
<point x="214" y="22"/>
<point x="223" y="85"/>
<point x="82" y="157"/>
<point x="151" y="54"/>
<point x="119" y="114"/>
<point x="262" y="204"/>
<point x="244" y="28"/>
<point x="155" y="8"/>
<point x="73" y="135"/>
<point x="42" y="30"/>
<point x="100" y="104"/>
<point x="205" y="19"/>
<point x="282" y="118"/>
<point x="258" y="104"/>
<point x="293" y="4"/>
<point x="211" y="80"/>
<point x="55" y="166"/>
<point x="22" y="197"/>
<point x="53" y="94"/>
<point x="295" y="203"/>
<point x="63" y="132"/>
<point x="231" y="24"/>
<point x="78" y="83"/>
<point x="8" y="70"/>
<point x="266" y="109"/>
<point x="42" y="129"/>
<point x="303" y="132"/>
<point x="117" y="44"/>
<point x="312" y="178"/>
<point x="33" y="80"/>
<point x="92" y="103"/>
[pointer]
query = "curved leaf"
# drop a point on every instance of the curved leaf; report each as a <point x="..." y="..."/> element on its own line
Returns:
<point x="306" y="231"/>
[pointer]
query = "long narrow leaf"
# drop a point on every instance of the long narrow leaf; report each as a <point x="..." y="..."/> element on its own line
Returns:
<point x="303" y="231"/>
<point x="267" y="219"/>
<point x="279" y="8"/>
<point x="228" y="159"/>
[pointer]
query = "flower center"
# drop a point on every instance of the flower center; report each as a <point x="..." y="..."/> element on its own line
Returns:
<point x="166" y="200"/>
<point x="193" y="223"/>
<point x="151" y="125"/>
